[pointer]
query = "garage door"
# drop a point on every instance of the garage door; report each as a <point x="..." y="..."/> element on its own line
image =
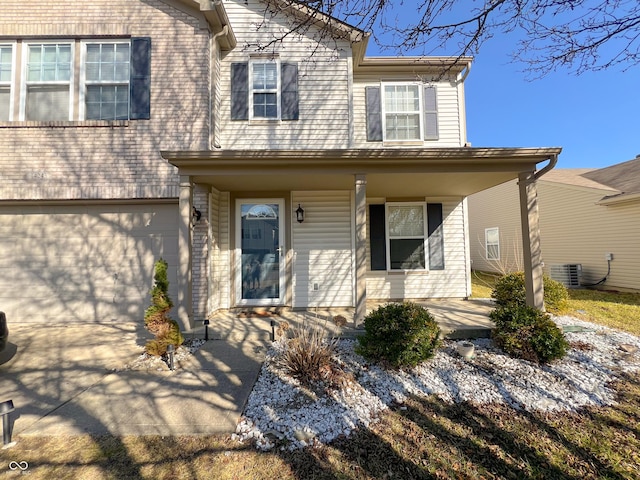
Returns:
<point x="62" y="264"/>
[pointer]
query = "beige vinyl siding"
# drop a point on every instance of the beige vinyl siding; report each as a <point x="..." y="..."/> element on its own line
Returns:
<point x="496" y="207"/>
<point x="323" y="73"/>
<point x="574" y="229"/>
<point x="323" y="250"/>
<point x="450" y="131"/>
<point x="448" y="283"/>
<point x="84" y="263"/>
<point x="221" y="269"/>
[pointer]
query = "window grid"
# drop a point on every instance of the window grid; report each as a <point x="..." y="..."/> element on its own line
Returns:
<point x="265" y="89"/>
<point x="106" y="72"/>
<point x="402" y="112"/>
<point x="6" y="78"/>
<point x="492" y="243"/>
<point x="48" y="81"/>
<point x="406" y="249"/>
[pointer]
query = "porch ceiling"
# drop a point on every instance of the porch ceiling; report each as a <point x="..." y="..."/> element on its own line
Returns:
<point x="389" y="172"/>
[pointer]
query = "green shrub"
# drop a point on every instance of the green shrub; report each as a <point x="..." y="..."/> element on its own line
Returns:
<point x="156" y="317"/>
<point x="401" y="335"/>
<point x="527" y="333"/>
<point x="510" y="291"/>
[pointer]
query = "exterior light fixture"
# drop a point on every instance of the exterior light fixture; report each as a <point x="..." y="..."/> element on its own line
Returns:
<point x="196" y="215"/>
<point x="206" y="330"/>
<point x="300" y="214"/>
<point x="5" y="409"/>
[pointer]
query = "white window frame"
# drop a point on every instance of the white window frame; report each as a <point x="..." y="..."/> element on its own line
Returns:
<point x="487" y="231"/>
<point x="25" y="83"/>
<point x="83" y="75"/>
<point x="12" y="80"/>
<point x="420" y="111"/>
<point x="277" y="90"/>
<point x="424" y="236"/>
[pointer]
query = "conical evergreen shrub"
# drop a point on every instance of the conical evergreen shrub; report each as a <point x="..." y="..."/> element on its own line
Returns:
<point x="156" y="317"/>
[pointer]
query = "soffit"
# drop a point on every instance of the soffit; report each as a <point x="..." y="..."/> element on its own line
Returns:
<point x="433" y="172"/>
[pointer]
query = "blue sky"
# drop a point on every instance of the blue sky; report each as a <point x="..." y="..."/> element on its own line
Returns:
<point x="593" y="116"/>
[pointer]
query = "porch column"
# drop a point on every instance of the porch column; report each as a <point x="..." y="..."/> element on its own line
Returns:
<point x="184" y="253"/>
<point x="361" y="249"/>
<point x="531" y="240"/>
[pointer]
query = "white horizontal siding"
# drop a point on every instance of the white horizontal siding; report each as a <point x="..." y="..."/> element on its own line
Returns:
<point x="322" y="247"/>
<point x="323" y="73"/>
<point x="448" y="283"/>
<point x="449" y="119"/>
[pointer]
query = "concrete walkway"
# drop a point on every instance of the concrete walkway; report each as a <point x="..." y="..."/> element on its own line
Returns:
<point x="65" y="380"/>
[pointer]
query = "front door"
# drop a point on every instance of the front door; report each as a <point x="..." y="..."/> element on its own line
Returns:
<point x="259" y="239"/>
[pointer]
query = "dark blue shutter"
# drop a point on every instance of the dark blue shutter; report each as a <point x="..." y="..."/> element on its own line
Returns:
<point x="289" y="87"/>
<point x="377" y="240"/>
<point x="240" y="91"/>
<point x="436" y="237"/>
<point x="140" y="79"/>
<point x="374" y="114"/>
<point x="430" y="113"/>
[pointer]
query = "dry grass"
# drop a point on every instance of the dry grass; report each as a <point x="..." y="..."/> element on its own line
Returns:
<point x="426" y="439"/>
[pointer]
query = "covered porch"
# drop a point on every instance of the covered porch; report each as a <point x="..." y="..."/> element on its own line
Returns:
<point x="406" y="174"/>
<point x="456" y="318"/>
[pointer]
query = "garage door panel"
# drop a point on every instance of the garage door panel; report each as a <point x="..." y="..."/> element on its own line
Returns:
<point x="84" y="263"/>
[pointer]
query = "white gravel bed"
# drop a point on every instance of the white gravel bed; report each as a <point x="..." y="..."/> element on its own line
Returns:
<point x="280" y="411"/>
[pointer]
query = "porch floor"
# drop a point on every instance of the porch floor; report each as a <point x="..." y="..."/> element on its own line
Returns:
<point x="457" y="319"/>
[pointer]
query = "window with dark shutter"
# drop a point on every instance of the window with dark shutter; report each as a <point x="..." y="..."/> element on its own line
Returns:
<point x="374" y="114"/>
<point x="289" y="107"/>
<point x="430" y="113"/>
<point x="436" y="237"/>
<point x="140" y="83"/>
<point x="240" y="91"/>
<point x="377" y="239"/>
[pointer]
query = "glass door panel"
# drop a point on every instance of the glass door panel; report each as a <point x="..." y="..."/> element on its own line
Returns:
<point x="259" y="236"/>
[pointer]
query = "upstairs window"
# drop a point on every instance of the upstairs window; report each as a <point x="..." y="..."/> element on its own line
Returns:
<point x="401" y="112"/>
<point x="6" y="80"/>
<point x="48" y="81"/>
<point x="264" y="90"/>
<point x="106" y="76"/>
<point x="402" y="117"/>
<point x="114" y="80"/>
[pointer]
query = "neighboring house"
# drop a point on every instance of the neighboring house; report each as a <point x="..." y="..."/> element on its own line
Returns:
<point x="588" y="217"/>
<point x="198" y="131"/>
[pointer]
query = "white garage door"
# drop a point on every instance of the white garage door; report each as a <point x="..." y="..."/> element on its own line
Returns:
<point x="89" y="263"/>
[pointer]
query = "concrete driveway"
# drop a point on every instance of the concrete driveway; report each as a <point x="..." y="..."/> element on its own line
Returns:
<point x="63" y="380"/>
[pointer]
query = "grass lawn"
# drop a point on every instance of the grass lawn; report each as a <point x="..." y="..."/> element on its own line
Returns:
<point x="428" y="438"/>
<point x="613" y="309"/>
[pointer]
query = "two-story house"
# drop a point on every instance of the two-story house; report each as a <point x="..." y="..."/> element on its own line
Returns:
<point x="251" y="144"/>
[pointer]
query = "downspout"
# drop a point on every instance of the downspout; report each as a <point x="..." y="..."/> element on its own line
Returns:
<point x="213" y="141"/>
<point x="552" y="163"/>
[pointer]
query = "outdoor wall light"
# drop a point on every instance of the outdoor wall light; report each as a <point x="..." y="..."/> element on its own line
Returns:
<point x="196" y="215"/>
<point x="300" y="214"/>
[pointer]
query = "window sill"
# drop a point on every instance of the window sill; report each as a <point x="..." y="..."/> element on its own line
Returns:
<point x="66" y="124"/>
<point x="264" y="121"/>
<point x="391" y="273"/>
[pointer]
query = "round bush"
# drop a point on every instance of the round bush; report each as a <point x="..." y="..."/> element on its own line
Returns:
<point x="509" y="291"/>
<point x="400" y="335"/>
<point x="527" y="333"/>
